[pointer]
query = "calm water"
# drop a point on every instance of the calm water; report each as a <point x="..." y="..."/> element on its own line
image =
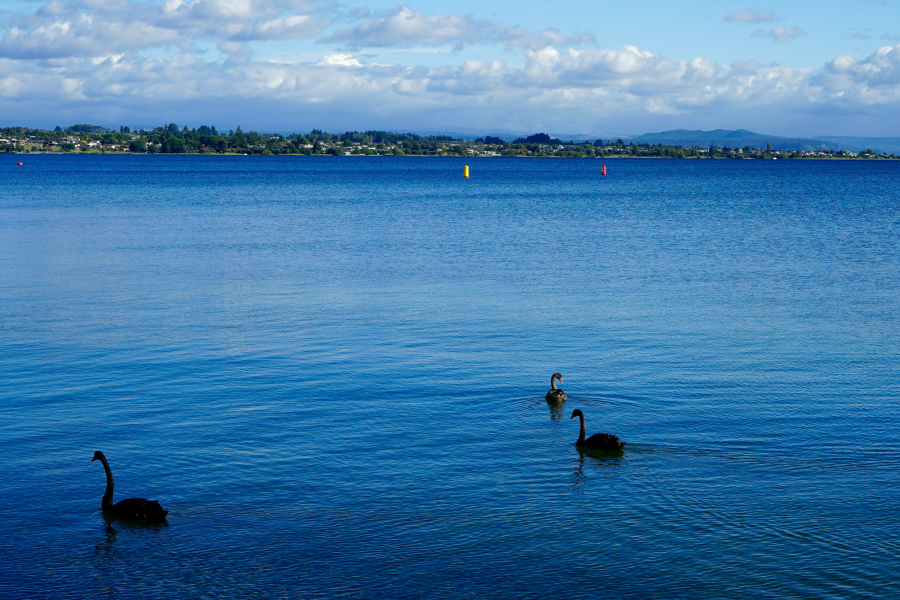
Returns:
<point x="331" y="372"/>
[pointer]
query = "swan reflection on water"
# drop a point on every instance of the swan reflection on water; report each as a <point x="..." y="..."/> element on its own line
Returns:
<point x="556" y="411"/>
<point x="113" y="525"/>
<point x="595" y="459"/>
<point x="111" y="564"/>
<point x="105" y="547"/>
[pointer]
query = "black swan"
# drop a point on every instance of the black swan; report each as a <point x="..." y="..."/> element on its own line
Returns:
<point x="555" y="395"/>
<point x="130" y="508"/>
<point x="598" y="441"/>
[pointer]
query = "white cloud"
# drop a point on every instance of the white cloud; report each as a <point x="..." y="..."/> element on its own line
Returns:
<point x="874" y="80"/>
<point x="403" y="27"/>
<point x="749" y="15"/>
<point x="88" y="28"/>
<point x="242" y="20"/>
<point x="340" y="59"/>
<point x="566" y="90"/>
<point x="62" y="33"/>
<point x="780" y="33"/>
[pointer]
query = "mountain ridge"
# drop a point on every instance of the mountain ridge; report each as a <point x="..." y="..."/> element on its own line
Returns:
<point x="736" y="138"/>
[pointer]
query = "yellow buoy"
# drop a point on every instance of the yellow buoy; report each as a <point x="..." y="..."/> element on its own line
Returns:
<point x="466" y="171"/>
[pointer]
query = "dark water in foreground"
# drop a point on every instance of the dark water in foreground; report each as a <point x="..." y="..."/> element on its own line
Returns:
<point x="331" y="372"/>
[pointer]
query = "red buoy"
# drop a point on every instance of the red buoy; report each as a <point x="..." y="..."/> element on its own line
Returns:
<point x="19" y="163"/>
<point x="603" y="171"/>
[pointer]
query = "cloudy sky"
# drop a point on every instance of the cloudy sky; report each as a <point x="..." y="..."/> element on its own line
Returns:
<point x="824" y="67"/>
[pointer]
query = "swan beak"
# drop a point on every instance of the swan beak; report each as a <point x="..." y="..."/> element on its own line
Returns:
<point x="93" y="459"/>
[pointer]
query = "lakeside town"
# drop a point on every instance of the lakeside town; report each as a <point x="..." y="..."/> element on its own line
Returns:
<point x="92" y="139"/>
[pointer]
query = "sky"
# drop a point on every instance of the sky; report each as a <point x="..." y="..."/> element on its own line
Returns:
<point x="798" y="68"/>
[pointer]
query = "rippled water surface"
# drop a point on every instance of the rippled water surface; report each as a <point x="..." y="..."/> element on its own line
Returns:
<point x="331" y="372"/>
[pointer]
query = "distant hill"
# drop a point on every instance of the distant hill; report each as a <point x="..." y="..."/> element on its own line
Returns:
<point x="733" y="139"/>
<point x="717" y="137"/>
<point x="856" y="144"/>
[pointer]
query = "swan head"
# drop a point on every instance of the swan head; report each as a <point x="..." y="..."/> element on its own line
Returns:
<point x="98" y="456"/>
<point x="557" y="376"/>
<point x="576" y="413"/>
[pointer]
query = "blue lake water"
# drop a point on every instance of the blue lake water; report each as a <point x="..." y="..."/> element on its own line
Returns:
<point x="332" y="373"/>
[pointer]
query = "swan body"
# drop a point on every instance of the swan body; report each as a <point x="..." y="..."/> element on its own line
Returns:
<point x="555" y="394"/>
<point x="598" y="441"/>
<point x="130" y="508"/>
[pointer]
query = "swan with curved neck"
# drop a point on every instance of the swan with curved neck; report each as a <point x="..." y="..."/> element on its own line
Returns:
<point x="598" y="441"/>
<point x="555" y="394"/>
<point x="130" y="508"/>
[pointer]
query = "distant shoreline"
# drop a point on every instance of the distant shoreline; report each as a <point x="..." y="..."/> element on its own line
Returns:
<point x="91" y="139"/>
<point x="230" y="154"/>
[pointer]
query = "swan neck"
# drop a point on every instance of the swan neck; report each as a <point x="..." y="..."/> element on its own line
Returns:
<point x="583" y="430"/>
<point x="553" y="383"/>
<point x="108" y="496"/>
